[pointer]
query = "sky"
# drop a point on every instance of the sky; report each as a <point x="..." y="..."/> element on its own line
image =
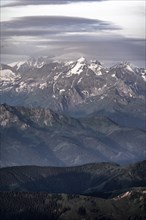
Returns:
<point x="107" y="30"/>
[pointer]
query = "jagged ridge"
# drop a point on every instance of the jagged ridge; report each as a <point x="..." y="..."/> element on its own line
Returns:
<point x="35" y="136"/>
<point x="74" y="87"/>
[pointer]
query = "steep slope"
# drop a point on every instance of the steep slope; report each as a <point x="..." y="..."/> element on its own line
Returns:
<point x="102" y="180"/>
<point x="35" y="136"/>
<point x="78" y="87"/>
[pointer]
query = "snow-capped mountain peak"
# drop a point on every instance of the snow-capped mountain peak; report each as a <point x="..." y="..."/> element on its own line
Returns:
<point x="37" y="62"/>
<point x="77" y="67"/>
<point x="81" y="60"/>
<point x="65" y="85"/>
<point x="17" y="65"/>
<point x="30" y="63"/>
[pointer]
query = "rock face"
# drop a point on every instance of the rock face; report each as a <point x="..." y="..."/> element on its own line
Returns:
<point x="36" y="136"/>
<point x="77" y="87"/>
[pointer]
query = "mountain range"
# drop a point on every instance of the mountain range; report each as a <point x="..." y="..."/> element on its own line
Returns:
<point x="77" y="88"/>
<point x="38" y="136"/>
<point x="69" y="132"/>
<point x="71" y="113"/>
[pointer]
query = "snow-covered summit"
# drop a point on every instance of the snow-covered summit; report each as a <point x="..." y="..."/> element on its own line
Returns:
<point x="77" y="67"/>
<point x="30" y="63"/>
<point x="37" y="63"/>
<point x="66" y="85"/>
<point x="17" y="64"/>
<point x="81" y="60"/>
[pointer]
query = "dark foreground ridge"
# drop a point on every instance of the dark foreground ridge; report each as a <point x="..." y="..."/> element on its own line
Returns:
<point x="43" y="206"/>
<point x="103" y="180"/>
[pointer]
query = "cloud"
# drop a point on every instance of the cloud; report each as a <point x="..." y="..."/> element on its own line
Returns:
<point x="130" y="16"/>
<point x="48" y="20"/>
<point x="50" y="26"/>
<point x="42" y="2"/>
<point x="67" y="30"/>
<point x="23" y="35"/>
<point x="107" y="50"/>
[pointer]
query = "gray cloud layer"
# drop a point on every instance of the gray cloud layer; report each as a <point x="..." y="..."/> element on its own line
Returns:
<point x="66" y="38"/>
<point x="51" y="25"/>
<point x="44" y="21"/>
<point x="46" y="2"/>
<point x="108" y="51"/>
<point x="56" y="34"/>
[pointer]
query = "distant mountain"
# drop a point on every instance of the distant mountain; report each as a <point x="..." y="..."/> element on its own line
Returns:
<point x="103" y="180"/>
<point x="31" y="63"/>
<point x="36" y="136"/>
<point x="78" y="87"/>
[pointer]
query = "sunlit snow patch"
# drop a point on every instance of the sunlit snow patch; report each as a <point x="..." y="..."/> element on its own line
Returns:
<point x="78" y="68"/>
